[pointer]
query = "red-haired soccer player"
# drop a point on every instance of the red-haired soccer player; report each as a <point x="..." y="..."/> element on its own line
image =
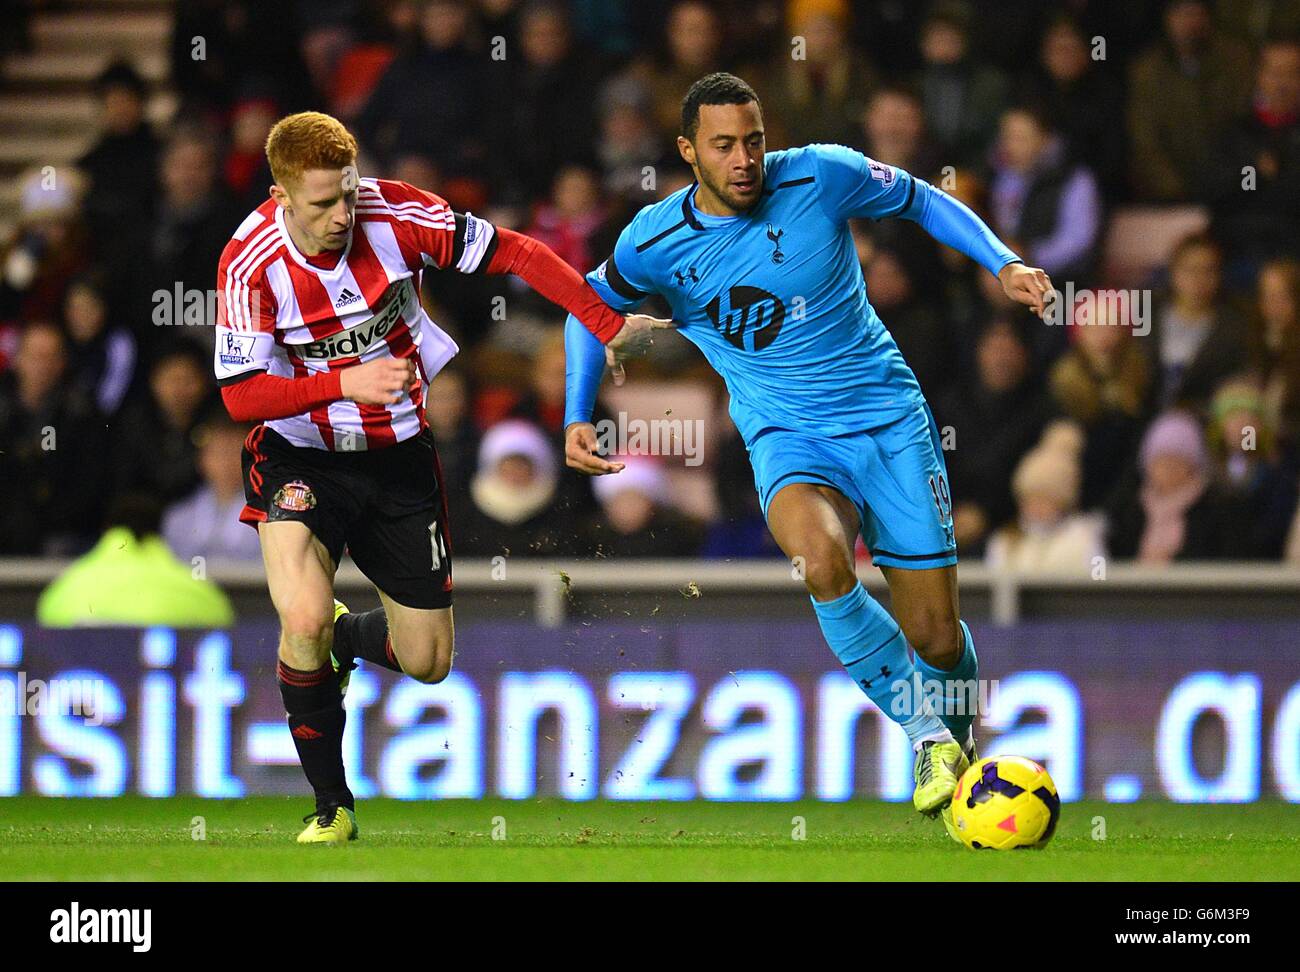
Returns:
<point x="322" y="339"/>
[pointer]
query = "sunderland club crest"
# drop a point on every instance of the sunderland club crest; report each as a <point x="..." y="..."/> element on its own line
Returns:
<point x="295" y="497"/>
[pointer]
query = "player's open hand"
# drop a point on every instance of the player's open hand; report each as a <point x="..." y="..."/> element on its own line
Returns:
<point x="1027" y="285"/>
<point x="632" y="341"/>
<point x="384" y="381"/>
<point x="580" y="445"/>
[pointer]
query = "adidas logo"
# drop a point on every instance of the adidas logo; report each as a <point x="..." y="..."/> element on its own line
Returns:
<point x="347" y="297"/>
<point x="306" y="732"/>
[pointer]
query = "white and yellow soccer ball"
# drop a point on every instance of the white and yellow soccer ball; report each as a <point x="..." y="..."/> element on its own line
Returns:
<point x="1005" y="803"/>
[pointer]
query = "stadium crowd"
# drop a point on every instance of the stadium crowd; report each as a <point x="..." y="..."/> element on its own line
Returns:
<point x="1159" y="429"/>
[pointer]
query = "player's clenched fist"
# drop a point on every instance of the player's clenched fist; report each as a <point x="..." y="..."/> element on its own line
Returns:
<point x="384" y="381"/>
<point x="580" y="445"/>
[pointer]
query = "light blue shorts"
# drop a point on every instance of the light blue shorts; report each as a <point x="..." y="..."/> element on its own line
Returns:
<point x="894" y="475"/>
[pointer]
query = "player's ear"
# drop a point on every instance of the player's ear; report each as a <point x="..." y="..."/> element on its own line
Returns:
<point x="280" y="196"/>
<point x="686" y="149"/>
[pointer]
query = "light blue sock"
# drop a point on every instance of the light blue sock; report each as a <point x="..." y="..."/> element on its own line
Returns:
<point x="871" y="647"/>
<point x="961" y="688"/>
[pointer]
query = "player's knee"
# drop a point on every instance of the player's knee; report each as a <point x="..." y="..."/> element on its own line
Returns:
<point x="307" y="625"/>
<point x="936" y="636"/>
<point x="828" y="570"/>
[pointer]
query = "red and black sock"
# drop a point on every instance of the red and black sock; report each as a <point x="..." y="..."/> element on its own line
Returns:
<point x="365" y="636"/>
<point x="316" y="720"/>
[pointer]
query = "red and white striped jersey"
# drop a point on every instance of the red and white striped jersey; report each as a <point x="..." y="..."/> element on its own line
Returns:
<point x="280" y="314"/>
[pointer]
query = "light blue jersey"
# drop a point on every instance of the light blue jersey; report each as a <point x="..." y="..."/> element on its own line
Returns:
<point x="775" y="297"/>
<point x="776" y="300"/>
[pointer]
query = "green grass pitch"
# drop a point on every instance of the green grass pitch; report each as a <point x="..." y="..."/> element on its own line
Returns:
<point x="135" y="838"/>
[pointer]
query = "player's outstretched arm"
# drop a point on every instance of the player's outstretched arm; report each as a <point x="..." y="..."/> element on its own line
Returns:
<point x="952" y="222"/>
<point x="543" y="270"/>
<point x="853" y="185"/>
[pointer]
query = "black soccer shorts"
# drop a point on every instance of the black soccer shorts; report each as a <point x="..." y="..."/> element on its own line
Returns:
<point x="386" y="506"/>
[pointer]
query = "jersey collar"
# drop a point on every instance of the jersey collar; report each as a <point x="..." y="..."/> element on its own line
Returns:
<point x="336" y="271"/>
<point x="698" y="220"/>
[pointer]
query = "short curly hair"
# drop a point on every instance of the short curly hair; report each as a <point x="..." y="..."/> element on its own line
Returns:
<point x="308" y="140"/>
<point x="718" y="88"/>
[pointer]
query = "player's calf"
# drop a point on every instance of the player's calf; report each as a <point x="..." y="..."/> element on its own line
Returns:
<point x="423" y="641"/>
<point x="934" y="633"/>
<point x="413" y="641"/>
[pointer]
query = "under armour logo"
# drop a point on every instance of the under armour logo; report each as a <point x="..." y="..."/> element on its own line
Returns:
<point x="688" y="274"/>
<point x="775" y="235"/>
<point x="884" y="673"/>
<point x="346" y="297"/>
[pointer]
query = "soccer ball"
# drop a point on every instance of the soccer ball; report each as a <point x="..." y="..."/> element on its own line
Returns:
<point x="1005" y="803"/>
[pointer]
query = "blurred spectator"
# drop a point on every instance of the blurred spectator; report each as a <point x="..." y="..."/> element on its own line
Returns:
<point x="963" y="98"/>
<point x="447" y="409"/>
<point x="500" y="18"/>
<point x="130" y="578"/>
<point x="1251" y="467"/>
<point x="1105" y="383"/>
<point x="153" y="440"/>
<point x="993" y="422"/>
<point x="222" y="48"/>
<point x="630" y="141"/>
<point x="192" y="222"/>
<point x="52" y="483"/>
<point x="1181" y="93"/>
<point x="1049" y="534"/>
<point x="1083" y="98"/>
<point x="428" y="102"/>
<point x="1258" y="20"/>
<point x="514" y="511"/>
<point x="606" y="27"/>
<point x="543" y="404"/>
<point x="1047" y="204"/>
<point x="893" y="132"/>
<point x="818" y="97"/>
<point x="48" y="246"/>
<point x="206" y="523"/>
<point x="245" y="171"/>
<point x="634" y="521"/>
<point x="1277" y="345"/>
<point x="103" y="356"/>
<point x="1257" y="219"/>
<point x="571" y="217"/>
<point x="1171" y="510"/>
<point x="692" y="49"/>
<point x="541" y="112"/>
<point x="1199" y="339"/>
<point x="122" y="167"/>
